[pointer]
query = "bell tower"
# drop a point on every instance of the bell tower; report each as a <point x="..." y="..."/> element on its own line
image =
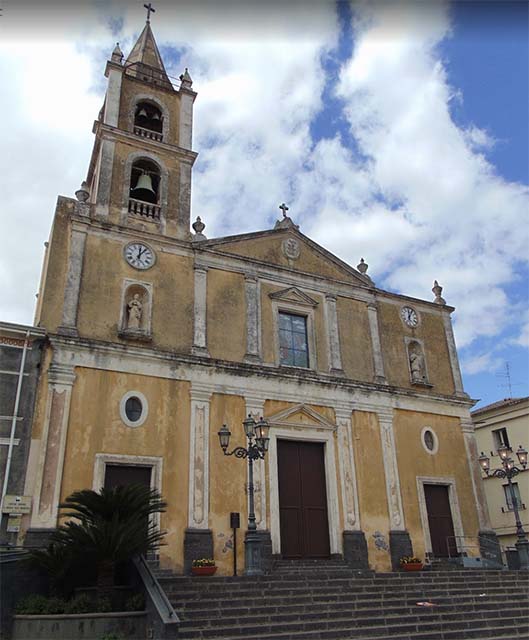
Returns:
<point x="140" y="170"/>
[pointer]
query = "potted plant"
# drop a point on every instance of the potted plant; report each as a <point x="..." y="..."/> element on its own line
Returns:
<point x="411" y="563"/>
<point x="203" y="567"/>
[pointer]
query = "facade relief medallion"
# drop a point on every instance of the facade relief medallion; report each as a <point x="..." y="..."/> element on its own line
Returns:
<point x="291" y="248"/>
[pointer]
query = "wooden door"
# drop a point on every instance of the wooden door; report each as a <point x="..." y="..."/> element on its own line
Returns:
<point x="304" y="523"/>
<point x="440" y="520"/>
<point x="119" y="474"/>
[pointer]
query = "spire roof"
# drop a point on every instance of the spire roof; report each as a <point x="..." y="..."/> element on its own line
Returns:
<point x="145" y="51"/>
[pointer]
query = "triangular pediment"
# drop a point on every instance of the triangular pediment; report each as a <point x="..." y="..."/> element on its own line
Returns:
<point x="288" y="248"/>
<point x="300" y="416"/>
<point x="294" y="295"/>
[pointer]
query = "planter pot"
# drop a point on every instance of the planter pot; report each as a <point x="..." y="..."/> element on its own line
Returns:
<point x="412" y="566"/>
<point x="203" y="571"/>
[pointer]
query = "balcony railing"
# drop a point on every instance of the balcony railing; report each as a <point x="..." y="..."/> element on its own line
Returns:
<point x="148" y="133"/>
<point x="144" y="209"/>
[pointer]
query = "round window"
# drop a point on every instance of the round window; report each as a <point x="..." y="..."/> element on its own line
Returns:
<point x="429" y="440"/>
<point x="133" y="409"/>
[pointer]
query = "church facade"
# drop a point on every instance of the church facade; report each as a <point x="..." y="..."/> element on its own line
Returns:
<point x="158" y="336"/>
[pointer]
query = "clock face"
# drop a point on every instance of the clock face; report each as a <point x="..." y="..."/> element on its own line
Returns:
<point x="139" y="255"/>
<point x="409" y="316"/>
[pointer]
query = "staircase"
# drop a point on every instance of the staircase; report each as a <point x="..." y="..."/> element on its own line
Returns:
<point x="327" y="599"/>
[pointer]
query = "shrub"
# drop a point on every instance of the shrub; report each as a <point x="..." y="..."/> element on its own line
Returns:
<point x="135" y="603"/>
<point x="36" y="604"/>
<point x="204" y="562"/>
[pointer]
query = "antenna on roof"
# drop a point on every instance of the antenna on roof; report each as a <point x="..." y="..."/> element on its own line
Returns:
<point x="507" y="376"/>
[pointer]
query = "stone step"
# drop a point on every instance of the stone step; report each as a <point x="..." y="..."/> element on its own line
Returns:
<point x="205" y="610"/>
<point x="343" y="627"/>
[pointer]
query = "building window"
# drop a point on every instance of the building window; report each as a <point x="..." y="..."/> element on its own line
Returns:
<point x="133" y="409"/>
<point x="148" y="121"/>
<point x="509" y="498"/>
<point x="144" y="195"/>
<point x="500" y="438"/>
<point x="429" y="439"/>
<point x="293" y="343"/>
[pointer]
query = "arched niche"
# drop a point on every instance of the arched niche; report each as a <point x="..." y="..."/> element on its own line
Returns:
<point x="136" y="310"/>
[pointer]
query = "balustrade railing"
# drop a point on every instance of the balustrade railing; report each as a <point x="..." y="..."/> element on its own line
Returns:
<point x="148" y="133"/>
<point x="144" y="209"/>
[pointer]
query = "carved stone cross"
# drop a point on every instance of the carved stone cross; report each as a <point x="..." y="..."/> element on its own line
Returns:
<point x="284" y="209"/>
<point x="150" y="9"/>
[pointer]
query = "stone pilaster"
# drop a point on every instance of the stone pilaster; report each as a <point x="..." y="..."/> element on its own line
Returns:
<point x="52" y="447"/>
<point x="73" y="283"/>
<point x="478" y="489"/>
<point x="187" y="98"/>
<point x="114" y="74"/>
<point x="198" y="515"/>
<point x="389" y="459"/>
<point x="184" y="201"/>
<point x="251" y="287"/>
<point x="378" y="361"/>
<point x="199" y="327"/>
<point x="452" y="353"/>
<point x="335" y="358"/>
<point x="104" y="177"/>
<point x="255" y="408"/>
<point x="347" y="470"/>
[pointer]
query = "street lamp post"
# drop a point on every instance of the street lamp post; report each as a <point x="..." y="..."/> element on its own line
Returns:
<point x="509" y="470"/>
<point x="256" y="450"/>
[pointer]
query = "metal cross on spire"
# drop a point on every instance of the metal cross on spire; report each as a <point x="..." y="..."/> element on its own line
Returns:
<point x="150" y="9"/>
<point x="284" y="209"/>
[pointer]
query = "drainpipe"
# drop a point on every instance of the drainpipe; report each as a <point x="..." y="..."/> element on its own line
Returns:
<point x="14" y="420"/>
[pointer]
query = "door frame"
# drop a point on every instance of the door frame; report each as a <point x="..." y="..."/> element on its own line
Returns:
<point x="308" y="434"/>
<point x="114" y="459"/>
<point x="454" y="510"/>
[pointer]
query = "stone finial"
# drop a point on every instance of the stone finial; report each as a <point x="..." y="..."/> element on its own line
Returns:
<point x="186" y="80"/>
<point x="198" y="227"/>
<point x="117" y="54"/>
<point x="437" y="291"/>
<point x="362" y="266"/>
<point x="82" y="194"/>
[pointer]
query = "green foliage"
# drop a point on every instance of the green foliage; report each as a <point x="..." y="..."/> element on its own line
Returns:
<point x="107" y="528"/>
<point x="135" y="603"/>
<point x="203" y="562"/>
<point x="36" y="604"/>
<point x="410" y="560"/>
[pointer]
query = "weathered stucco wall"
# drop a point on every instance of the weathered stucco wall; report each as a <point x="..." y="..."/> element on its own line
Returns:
<point x="96" y="427"/>
<point x="226" y="315"/>
<point x="355" y="339"/>
<point x="371" y="488"/>
<point x="431" y="332"/>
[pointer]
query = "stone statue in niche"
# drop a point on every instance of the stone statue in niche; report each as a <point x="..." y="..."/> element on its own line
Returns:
<point x="417" y="366"/>
<point x="134" y="311"/>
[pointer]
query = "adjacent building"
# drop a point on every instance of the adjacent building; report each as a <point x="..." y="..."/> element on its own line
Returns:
<point x="20" y="357"/>
<point x="158" y="336"/>
<point x="505" y="422"/>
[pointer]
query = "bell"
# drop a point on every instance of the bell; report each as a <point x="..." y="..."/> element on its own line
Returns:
<point x="155" y="116"/>
<point x="142" y="113"/>
<point x="143" y="189"/>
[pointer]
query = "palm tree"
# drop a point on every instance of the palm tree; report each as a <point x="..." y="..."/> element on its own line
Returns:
<point x="110" y="527"/>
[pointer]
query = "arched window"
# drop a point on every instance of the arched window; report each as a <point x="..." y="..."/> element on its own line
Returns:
<point x="148" y="121"/>
<point x="144" y="195"/>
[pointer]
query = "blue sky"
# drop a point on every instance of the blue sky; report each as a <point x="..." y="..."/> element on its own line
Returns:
<point x="397" y="132"/>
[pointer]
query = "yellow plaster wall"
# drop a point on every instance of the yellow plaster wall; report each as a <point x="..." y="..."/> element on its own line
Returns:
<point x="431" y="331"/>
<point x="269" y="249"/>
<point x="227" y="480"/>
<point x="51" y="294"/>
<point x="226" y="315"/>
<point x="96" y="427"/>
<point x="449" y="462"/>
<point x="104" y="272"/>
<point x="268" y="328"/>
<point x="131" y="87"/>
<point x="371" y="486"/>
<point x="355" y="339"/>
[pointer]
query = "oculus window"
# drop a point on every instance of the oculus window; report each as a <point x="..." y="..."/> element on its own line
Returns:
<point x="293" y="343"/>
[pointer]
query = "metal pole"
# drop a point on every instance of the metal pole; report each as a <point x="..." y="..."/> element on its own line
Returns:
<point x="522" y="545"/>
<point x="234" y="552"/>
<point x="14" y="418"/>
<point x="251" y="515"/>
